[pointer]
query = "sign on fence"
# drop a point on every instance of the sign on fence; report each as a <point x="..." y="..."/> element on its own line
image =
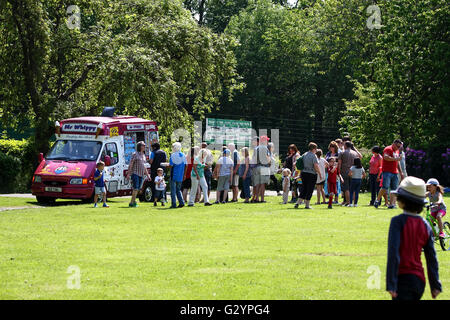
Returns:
<point x="224" y="131"/>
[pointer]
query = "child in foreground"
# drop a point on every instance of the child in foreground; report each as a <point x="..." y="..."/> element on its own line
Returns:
<point x="409" y="233"/>
<point x="100" y="184"/>
<point x="160" y="187"/>
<point x="438" y="208"/>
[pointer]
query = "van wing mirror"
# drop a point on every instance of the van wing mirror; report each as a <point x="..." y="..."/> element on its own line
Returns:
<point x="41" y="157"/>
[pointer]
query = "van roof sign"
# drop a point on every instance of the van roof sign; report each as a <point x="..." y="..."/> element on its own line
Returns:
<point x="79" y="127"/>
<point x="103" y="125"/>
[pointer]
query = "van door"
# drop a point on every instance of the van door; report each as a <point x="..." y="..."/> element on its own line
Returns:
<point x="110" y="156"/>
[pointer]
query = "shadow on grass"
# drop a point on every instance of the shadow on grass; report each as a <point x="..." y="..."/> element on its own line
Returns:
<point x="66" y="203"/>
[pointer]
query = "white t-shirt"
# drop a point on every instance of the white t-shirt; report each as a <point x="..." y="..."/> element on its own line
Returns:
<point x="226" y="165"/>
<point x="162" y="186"/>
<point x="322" y="162"/>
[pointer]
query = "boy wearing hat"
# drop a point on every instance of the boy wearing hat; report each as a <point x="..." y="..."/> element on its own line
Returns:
<point x="409" y="233"/>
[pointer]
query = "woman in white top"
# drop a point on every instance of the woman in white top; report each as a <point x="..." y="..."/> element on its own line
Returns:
<point x="323" y="164"/>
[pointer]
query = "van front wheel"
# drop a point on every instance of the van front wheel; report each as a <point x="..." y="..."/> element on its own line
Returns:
<point x="146" y="194"/>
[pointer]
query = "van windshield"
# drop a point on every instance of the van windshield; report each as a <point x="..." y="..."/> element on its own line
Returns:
<point x="75" y="150"/>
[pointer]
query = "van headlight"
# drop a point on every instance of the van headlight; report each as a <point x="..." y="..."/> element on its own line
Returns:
<point x="76" y="181"/>
<point x="37" y="179"/>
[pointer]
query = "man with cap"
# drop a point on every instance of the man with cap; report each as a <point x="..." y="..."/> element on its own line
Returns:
<point x="409" y="233"/>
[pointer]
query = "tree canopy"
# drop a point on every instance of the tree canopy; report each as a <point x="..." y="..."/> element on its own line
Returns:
<point x="406" y="93"/>
<point x="375" y="69"/>
<point x="147" y="58"/>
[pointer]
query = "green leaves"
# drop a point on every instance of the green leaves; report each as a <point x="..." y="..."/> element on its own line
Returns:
<point x="407" y="96"/>
<point x="148" y="58"/>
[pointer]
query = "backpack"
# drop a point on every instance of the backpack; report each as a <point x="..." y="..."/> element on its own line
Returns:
<point x="299" y="164"/>
<point x="235" y="156"/>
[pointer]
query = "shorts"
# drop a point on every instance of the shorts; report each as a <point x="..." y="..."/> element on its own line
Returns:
<point x="223" y="183"/>
<point x="345" y="186"/>
<point x="299" y="187"/>
<point x="186" y="184"/>
<point x="262" y="175"/>
<point x="332" y="187"/>
<point x="100" y="190"/>
<point x="320" y="183"/>
<point x="390" y="181"/>
<point x="254" y="174"/>
<point x="136" y="181"/>
<point x="159" y="194"/>
<point x="439" y="213"/>
<point x="235" y="181"/>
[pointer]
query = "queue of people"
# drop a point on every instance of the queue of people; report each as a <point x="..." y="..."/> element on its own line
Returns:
<point x="337" y="173"/>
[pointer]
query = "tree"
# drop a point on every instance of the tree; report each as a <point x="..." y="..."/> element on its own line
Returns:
<point x="298" y="63"/>
<point x="148" y="58"/>
<point x="216" y="14"/>
<point x="407" y="91"/>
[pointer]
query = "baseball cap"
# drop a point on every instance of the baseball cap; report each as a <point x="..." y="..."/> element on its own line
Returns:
<point x="264" y="138"/>
<point x="413" y="189"/>
<point x="433" y="182"/>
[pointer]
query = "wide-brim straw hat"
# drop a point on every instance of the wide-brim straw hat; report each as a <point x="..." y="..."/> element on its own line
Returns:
<point x="413" y="189"/>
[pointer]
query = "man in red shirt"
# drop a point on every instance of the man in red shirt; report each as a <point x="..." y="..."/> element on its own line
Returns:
<point x="390" y="170"/>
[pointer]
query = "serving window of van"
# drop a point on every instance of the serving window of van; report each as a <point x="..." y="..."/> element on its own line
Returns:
<point x="110" y="150"/>
<point x="130" y="140"/>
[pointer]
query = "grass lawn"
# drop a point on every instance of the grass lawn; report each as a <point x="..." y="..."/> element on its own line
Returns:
<point x="231" y="251"/>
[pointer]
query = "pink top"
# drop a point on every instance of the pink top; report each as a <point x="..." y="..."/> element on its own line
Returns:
<point x="375" y="164"/>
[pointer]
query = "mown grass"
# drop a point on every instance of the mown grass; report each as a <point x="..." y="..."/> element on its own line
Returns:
<point x="231" y="251"/>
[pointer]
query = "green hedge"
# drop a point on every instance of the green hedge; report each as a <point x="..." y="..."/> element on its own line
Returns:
<point x="16" y="156"/>
<point x="10" y="169"/>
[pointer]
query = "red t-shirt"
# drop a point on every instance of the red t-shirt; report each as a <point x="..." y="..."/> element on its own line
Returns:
<point x="188" y="170"/>
<point x="390" y="166"/>
<point x="375" y="164"/>
<point x="332" y="176"/>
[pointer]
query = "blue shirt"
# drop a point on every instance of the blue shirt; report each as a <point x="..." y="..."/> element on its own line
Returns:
<point x="178" y="162"/>
<point x="99" y="183"/>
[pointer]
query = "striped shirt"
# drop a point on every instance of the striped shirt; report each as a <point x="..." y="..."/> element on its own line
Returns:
<point x="137" y="164"/>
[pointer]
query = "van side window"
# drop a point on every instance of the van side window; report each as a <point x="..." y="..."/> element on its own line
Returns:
<point x="110" y="150"/>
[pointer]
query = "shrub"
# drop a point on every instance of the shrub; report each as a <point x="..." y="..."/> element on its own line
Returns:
<point x="445" y="157"/>
<point x="10" y="168"/>
<point x="425" y="164"/>
<point x="21" y="150"/>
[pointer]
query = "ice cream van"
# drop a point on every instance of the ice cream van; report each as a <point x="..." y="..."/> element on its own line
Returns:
<point x="67" y="170"/>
